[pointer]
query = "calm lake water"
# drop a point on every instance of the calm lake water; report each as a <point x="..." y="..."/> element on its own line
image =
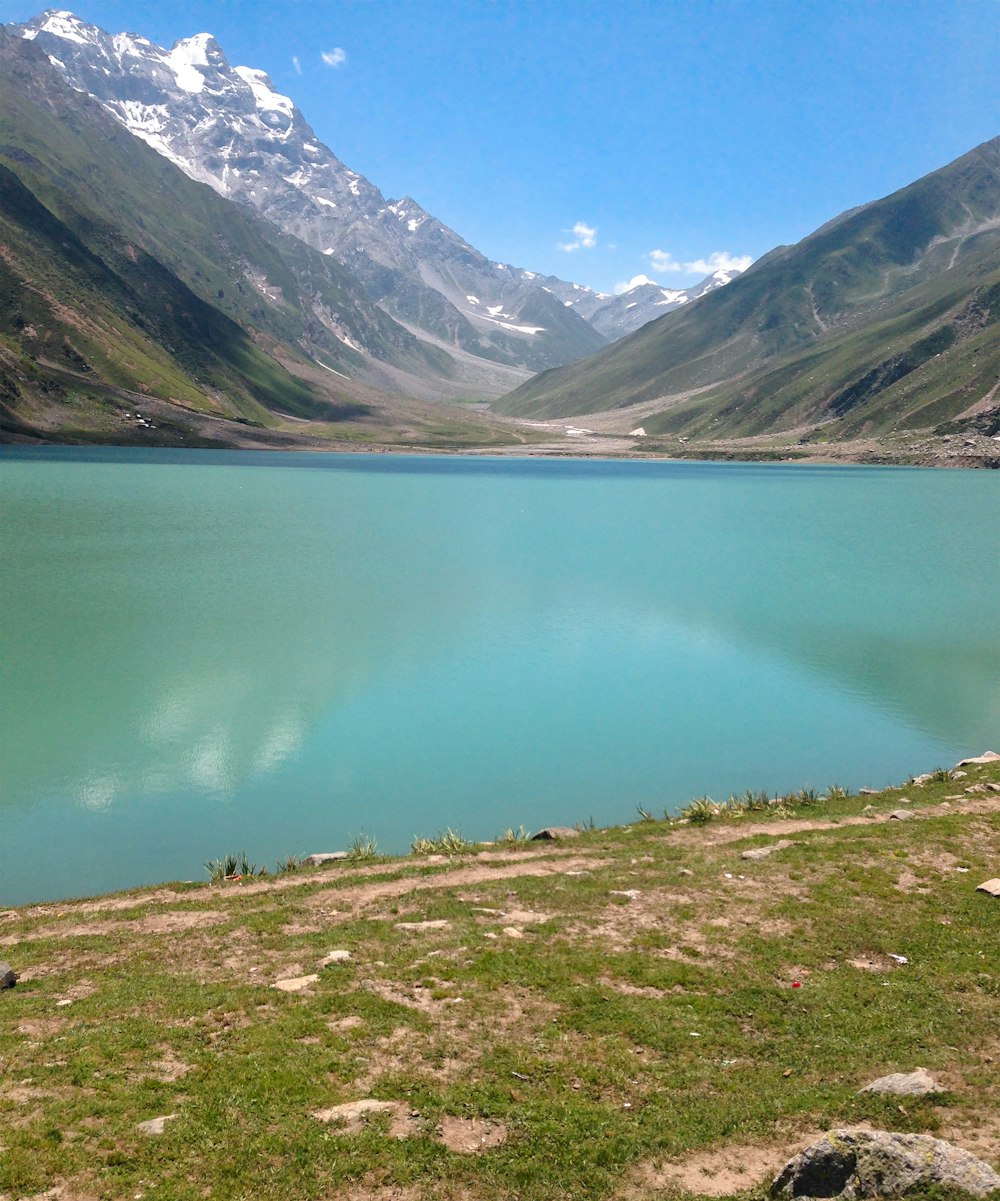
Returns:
<point x="209" y="652"/>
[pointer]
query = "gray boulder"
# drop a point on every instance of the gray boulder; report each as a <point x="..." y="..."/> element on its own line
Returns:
<point x="321" y="857"/>
<point x="918" y="1083"/>
<point x="554" y="832"/>
<point x="855" y="1164"/>
<point x="8" y="977"/>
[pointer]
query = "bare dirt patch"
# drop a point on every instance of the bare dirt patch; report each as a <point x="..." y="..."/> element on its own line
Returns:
<point x="471" y="1135"/>
<point x="717" y="1173"/>
<point x="156" y="923"/>
<point x="351" y="1116"/>
<point x="361" y="896"/>
<point x="873" y="963"/>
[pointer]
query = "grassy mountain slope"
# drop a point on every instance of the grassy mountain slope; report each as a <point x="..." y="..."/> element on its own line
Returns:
<point x="843" y="330"/>
<point x="157" y="284"/>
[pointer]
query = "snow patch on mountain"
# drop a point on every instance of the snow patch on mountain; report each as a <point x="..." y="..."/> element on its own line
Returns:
<point x="263" y="91"/>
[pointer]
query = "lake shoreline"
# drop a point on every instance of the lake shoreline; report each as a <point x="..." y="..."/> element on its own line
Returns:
<point x="980" y="458"/>
<point x="425" y="1023"/>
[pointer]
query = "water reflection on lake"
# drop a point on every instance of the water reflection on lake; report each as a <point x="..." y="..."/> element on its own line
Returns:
<point x="207" y="652"/>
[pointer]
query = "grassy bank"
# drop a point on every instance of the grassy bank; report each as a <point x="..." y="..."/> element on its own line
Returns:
<point x="627" y="1013"/>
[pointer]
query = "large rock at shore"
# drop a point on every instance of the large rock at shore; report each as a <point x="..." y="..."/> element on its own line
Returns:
<point x="854" y="1164"/>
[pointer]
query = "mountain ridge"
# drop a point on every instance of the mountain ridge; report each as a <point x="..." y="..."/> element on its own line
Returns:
<point x="265" y="153"/>
<point x="784" y="344"/>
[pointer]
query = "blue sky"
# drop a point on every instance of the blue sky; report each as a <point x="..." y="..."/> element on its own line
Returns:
<point x="616" y="129"/>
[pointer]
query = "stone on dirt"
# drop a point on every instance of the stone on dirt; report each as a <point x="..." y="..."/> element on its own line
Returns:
<point x="917" y="1083"/>
<point x="900" y="815"/>
<point x="854" y="1164"/>
<point x="553" y="832"/>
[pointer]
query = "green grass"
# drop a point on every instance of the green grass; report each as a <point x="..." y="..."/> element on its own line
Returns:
<point x="644" y="1015"/>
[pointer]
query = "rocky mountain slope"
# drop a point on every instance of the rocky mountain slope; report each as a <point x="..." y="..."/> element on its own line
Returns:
<point x="887" y="318"/>
<point x="228" y="127"/>
<point x="121" y="273"/>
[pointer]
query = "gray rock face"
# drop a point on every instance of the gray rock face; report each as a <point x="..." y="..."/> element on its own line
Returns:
<point x="8" y="977"/>
<point x="854" y="1164"/>
<point x="905" y="1084"/>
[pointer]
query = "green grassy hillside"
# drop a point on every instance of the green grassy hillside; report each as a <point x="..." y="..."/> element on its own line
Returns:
<point x="886" y="317"/>
<point x="157" y="284"/>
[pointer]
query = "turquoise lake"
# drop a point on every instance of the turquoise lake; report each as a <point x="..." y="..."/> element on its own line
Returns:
<point x="207" y="652"/>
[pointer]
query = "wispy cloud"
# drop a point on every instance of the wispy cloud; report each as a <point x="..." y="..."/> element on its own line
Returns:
<point x="585" y="238"/>
<point x="296" y="64"/>
<point x="663" y="263"/>
<point x="335" y="57"/>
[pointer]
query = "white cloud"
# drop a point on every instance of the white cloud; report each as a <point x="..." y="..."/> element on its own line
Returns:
<point x="335" y="57"/>
<point x="635" y="282"/>
<point x="296" y="64"/>
<point x="719" y="260"/>
<point x="663" y="262"/>
<point x="585" y="235"/>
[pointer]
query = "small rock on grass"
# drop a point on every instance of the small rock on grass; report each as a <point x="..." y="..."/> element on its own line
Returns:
<point x="763" y="852"/>
<point x="155" y="1125"/>
<point x="8" y="977"/>
<point x="917" y="1083"/>
<point x="335" y="957"/>
<point x="873" y="1163"/>
<point x="900" y="815"/>
<point x="418" y="927"/>
<point x="990" y="887"/>
<point x="295" y="983"/>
